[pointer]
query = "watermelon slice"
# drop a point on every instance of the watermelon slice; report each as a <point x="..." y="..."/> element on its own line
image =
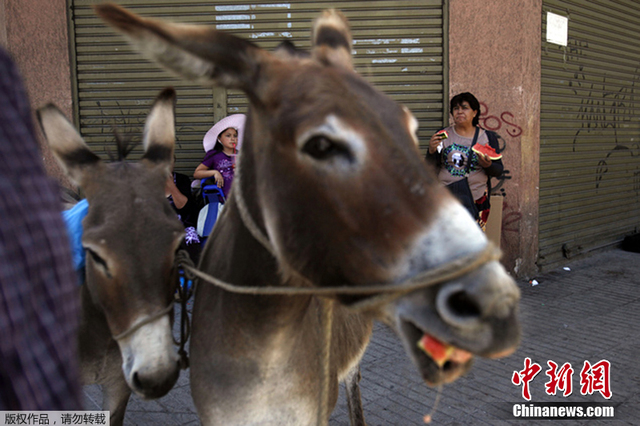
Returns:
<point x="438" y="351"/>
<point x="443" y="133"/>
<point x="488" y="151"/>
<point x="442" y="352"/>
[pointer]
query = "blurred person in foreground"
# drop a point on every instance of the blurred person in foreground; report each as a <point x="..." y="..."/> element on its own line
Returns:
<point x="39" y="303"/>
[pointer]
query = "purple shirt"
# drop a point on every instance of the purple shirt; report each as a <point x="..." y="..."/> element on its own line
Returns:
<point x="223" y="163"/>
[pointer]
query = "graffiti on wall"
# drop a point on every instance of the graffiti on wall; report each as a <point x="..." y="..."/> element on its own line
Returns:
<point x="604" y="106"/>
<point x="603" y="167"/>
<point x="504" y="121"/>
<point x="505" y="125"/>
<point x="511" y="217"/>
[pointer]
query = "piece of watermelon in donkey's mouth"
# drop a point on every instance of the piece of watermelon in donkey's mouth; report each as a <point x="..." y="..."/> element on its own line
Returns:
<point x="488" y="151"/>
<point x="441" y="352"/>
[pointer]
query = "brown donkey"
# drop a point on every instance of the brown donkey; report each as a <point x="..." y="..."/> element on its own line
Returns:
<point x="130" y="236"/>
<point x="331" y="191"/>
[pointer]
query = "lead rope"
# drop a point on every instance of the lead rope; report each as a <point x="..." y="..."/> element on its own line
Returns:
<point x="382" y="293"/>
<point x="186" y="287"/>
<point x="327" y="324"/>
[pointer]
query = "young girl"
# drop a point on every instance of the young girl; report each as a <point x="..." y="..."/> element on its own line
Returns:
<point x="221" y="142"/>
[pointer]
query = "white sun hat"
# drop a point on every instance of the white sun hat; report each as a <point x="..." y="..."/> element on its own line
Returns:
<point x="236" y="121"/>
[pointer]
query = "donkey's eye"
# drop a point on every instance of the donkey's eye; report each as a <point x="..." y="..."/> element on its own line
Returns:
<point x="323" y="148"/>
<point x="100" y="262"/>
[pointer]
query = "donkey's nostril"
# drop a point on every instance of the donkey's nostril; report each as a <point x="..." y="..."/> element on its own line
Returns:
<point x="457" y="306"/>
<point x="461" y="304"/>
<point x="136" y="381"/>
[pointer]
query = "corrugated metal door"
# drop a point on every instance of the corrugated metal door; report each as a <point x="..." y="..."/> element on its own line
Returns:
<point x="590" y="129"/>
<point x="398" y="46"/>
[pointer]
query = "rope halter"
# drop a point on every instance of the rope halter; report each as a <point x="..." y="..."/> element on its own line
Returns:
<point x="380" y="294"/>
<point x="184" y="265"/>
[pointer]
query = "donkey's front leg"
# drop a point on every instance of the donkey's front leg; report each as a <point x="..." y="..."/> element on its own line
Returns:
<point x="354" y="400"/>
<point x="116" y="395"/>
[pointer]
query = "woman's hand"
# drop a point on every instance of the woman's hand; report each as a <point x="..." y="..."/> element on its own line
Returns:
<point x="484" y="160"/>
<point x="170" y="189"/>
<point x="436" y="140"/>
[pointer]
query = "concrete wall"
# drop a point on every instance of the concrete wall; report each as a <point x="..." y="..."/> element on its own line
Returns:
<point x="35" y="33"/>
<point x="494" y="53"/>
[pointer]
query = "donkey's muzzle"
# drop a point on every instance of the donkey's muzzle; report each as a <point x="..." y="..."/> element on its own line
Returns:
<point x="149" y="383"/>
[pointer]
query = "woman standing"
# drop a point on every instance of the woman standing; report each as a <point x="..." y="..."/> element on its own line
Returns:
<point x="466" y="173"/>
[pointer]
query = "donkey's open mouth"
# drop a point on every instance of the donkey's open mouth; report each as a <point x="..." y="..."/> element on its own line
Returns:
<point x="471" y="309"/>
<point x="444" y="326"/>
<point x="443" y="366"/>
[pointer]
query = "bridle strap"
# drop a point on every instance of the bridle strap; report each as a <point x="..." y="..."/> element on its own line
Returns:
<point x="382" y="293"/>
<point x="246" y="217"/>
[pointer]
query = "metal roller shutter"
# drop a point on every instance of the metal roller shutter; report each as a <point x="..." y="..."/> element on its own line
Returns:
<point x="590" y="130"/>
<point x="398" y="46"/>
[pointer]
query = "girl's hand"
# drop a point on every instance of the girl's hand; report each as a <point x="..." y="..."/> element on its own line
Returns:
<point x="435" y="140"/>
<point x="217" y="176"/>
<point x="484" y="160"/>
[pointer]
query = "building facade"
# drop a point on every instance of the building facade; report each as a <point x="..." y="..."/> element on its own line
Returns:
<point x="566" y="114"/>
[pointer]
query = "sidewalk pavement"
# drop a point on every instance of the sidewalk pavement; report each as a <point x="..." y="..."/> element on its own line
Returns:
<point x="587" y="311"/>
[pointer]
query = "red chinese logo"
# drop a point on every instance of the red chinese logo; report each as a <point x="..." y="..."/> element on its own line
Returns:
<point x="596" y="378"/>
<point x="593" y="378"/>
<point x="559" y="380"/>
<point x="523" y="377"/>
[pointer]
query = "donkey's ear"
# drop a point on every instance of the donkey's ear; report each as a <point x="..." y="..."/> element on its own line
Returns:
<point x="331" y="40"/>
<point x="160" y="129"/>
<point x="197" y="53"/>
<point x="66" y="143"/>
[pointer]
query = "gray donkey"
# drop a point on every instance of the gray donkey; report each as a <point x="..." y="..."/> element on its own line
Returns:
<point x="130" y="237"/>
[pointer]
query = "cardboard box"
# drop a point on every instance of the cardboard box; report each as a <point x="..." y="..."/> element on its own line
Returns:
<point x="494" y="224"/>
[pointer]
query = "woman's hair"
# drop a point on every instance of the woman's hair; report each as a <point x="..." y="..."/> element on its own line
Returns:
<point x="473" y="103"/>
<point x="218" y="146"/>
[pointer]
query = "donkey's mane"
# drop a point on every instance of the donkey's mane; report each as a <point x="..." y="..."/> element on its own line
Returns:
<point x="290" y="48"/>
<point x="124" y="145"/>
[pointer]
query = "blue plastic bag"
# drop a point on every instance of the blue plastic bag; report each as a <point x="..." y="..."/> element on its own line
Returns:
<point x="73" y="219"/>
